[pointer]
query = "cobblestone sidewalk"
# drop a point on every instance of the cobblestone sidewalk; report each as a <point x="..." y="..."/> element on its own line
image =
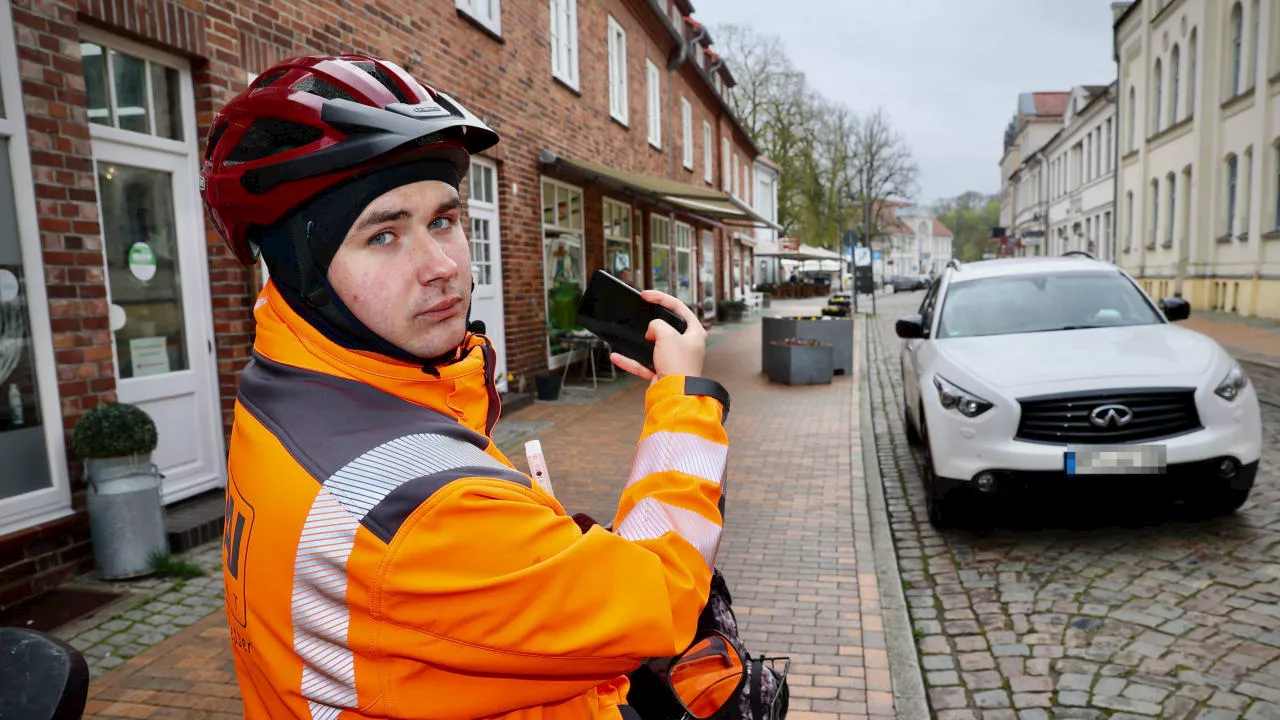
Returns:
<point x="173" y="605"/>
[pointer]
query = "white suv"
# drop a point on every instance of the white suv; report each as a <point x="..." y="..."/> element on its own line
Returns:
<point x="1017" y="372"/>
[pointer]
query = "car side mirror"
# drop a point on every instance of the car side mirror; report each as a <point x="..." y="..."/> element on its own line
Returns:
<point x="910" y="327"/>
<point x="707" y="676"/>
<point x="1175" y="308"/>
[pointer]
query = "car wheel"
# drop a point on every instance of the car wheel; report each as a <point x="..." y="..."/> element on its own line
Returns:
<point x="913" y="435"/>
<point x="938" y="507"/>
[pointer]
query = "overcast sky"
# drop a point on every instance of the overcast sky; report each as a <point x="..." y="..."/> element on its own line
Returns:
<point x="948" y="72"/>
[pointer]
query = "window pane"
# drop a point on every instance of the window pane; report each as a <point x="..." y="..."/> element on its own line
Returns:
<point x="164" y="92"/>
<point x="1038" y="303"/>
<point x="563" y="261"/>
<point x="131" y="92"/>
<point x="548" y="204"/>
<point x="142" y="269"/>
<point x="562" y="206"/>
<point x="94" y="63"/>
<point x="26" y="466"/>
<point x="617" y="260"/>
<point x="575" y="210"/>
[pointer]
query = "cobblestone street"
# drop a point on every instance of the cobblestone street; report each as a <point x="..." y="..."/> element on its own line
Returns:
<point x="1097" y="609"/>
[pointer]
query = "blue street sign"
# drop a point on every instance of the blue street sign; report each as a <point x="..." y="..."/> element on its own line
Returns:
<point x="876" y="256"/>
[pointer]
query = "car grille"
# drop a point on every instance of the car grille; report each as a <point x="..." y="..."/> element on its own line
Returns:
<point x="1066" y="418"/>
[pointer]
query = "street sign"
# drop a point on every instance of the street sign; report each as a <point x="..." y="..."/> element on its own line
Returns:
<point x="789" y="244"/>
<point x="862" y="280"/>
<point x="862" y="256"/>
<point x="876" y="256"/>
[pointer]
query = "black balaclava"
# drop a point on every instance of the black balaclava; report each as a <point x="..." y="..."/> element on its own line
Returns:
<point x="299" y="249"/>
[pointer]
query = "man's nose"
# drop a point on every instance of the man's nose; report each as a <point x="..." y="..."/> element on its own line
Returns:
<point x="431" y="262"/>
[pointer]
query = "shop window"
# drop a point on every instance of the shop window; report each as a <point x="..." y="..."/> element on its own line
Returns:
<point x="617" y="242"/>
<point x="563" y="262"/>
<point x="31" y="489"/>
<point x="660" y="259"/>
<point x="684" y="263"/>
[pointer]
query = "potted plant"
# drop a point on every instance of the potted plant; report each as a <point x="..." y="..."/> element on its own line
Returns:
<point x="126" y="518"/>
<point x="730" y="310"/>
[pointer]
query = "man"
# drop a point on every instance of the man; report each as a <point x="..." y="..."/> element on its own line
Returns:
<point x="383" y="559"/>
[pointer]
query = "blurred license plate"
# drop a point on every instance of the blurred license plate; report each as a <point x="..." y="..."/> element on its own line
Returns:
<point x="1116" y="460"/>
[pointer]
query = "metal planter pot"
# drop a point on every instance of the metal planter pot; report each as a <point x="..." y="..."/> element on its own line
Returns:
<point x="800" y="364"/>
<point x="836" y="332"/>
<point x="126" y="516"/>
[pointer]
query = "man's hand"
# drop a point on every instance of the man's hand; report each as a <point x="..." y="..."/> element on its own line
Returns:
<point x="674" y="353"/>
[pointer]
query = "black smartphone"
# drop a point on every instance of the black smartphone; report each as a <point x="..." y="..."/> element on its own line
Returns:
<point x="616" y="313"/>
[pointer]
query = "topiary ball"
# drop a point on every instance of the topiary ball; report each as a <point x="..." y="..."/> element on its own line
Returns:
<point x="114" y="430"/>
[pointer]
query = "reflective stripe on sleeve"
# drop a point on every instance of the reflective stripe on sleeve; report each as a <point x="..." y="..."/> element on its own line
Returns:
<point x="650" y="519"/>
<point x="680" y="452"/>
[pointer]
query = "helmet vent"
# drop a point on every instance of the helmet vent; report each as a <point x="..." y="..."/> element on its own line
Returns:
<point x="214" y="137"/>
<point x="268" y="79"/>
<point x="269" y="136"/>
<point x="384" y="77"/>
<point x="323" y="88"/>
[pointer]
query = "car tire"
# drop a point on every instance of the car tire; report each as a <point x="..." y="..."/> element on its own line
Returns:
<point x="938" y="508"/>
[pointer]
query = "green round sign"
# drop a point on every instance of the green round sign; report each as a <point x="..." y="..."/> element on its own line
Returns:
<point x="142" y="261"/>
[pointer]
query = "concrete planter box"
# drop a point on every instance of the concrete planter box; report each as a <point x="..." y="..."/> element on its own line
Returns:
<point x="800" y="364"/>
<point x="832" y="331"/>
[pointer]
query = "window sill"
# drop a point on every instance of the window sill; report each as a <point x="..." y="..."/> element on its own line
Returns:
<point x="626" y="125"/>
<point x="1167" y="244"/>
<point x="494" y="34"/>
<point x="1273" y="235"/>
<point x="655" y="146"/>
<point x="565" y="84"/>
<point x="1225" y="238"/>
<point x="1129" y="155"/>
<point x="1151" y="246"/>
<point x="1171" y="129"/>
<point x="1272" y="81"/>
<point x="1238" y="99"/>
<point x="1244" y="237"/>
<point x="688" y="167"/>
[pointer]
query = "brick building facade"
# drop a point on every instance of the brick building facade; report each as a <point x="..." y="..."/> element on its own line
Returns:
<point x="124" y="290"/>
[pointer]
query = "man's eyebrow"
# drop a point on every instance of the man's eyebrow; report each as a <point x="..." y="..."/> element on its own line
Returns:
<point x="383" y="216"/>
<point x="449" y="205"/>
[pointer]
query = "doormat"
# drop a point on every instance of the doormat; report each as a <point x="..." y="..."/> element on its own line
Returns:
<point x="56" y="608"/>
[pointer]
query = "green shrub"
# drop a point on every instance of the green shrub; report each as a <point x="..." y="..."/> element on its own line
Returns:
<point x="114" y="430"/>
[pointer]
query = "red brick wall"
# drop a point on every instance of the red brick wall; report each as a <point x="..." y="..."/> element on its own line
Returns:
<point x="508" y="83"/>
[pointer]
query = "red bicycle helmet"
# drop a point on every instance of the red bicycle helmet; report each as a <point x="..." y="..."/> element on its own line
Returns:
<point x="310" y="123"/>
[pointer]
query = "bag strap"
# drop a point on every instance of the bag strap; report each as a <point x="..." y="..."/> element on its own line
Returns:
<point x="757" y="702"/>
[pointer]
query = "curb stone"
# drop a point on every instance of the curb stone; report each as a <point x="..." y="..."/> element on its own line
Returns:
<point x="909" y="699"/>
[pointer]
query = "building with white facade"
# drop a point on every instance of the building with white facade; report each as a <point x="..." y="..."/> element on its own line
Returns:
<point x="1199" y="170"/>
<point x="917" y="243"/>
<point x="1023" y="196"/>
<point x="1080" y="180"/>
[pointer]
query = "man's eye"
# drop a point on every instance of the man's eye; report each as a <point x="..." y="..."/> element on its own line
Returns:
<point x="381" y="238"/>
<point x="442" y="223"/>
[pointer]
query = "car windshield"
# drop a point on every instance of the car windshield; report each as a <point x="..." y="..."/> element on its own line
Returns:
<point x="1042" y="302"/>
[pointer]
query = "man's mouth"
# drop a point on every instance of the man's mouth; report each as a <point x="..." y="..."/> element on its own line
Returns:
<point x="442" y="310"/>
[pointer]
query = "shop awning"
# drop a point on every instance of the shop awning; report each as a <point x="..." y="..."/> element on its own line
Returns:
<point x="708" y="202"/>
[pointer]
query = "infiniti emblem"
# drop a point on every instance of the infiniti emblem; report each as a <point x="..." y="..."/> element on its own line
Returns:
<point x="1111" y="416"/>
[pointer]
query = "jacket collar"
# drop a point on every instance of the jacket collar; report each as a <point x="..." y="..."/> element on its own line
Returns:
<point x="464" y="389"/>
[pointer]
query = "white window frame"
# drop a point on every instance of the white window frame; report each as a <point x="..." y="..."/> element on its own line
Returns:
<point x="620" y="208"/>
<point x="470" y="8"/>
<point x="486" y="209"/>
<point x="708" y="152"/>
<point x="618" y="100"/>
<point x="653" y="90"/>
<point x="558" y="361"/>
<point x="564" y="41"/>
<point x="686" y="122"/>
<point x="656" y="220"/>
<point x="726" y="179"/>
<point x="682" y="244"/>
<point x="53" y="502"/>
<point x="737" y="177"/>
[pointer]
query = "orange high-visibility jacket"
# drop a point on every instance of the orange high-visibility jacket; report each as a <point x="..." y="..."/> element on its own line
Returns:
<point x="383" y="559"/>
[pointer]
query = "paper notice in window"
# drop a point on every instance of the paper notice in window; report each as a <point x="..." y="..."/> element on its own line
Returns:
<point x="149" y="356"/>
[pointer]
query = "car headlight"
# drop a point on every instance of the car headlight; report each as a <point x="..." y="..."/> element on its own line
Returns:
<point x="1231" y="386"/>
<point x="958" y="399"/>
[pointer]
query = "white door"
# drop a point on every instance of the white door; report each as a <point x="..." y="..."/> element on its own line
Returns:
<point x="486" y="259"/>
<point x="160" y="309"/>
<point x="141" y="109"/>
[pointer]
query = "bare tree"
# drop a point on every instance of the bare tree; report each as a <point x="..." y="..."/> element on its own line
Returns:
<point x="883" y="171"/>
